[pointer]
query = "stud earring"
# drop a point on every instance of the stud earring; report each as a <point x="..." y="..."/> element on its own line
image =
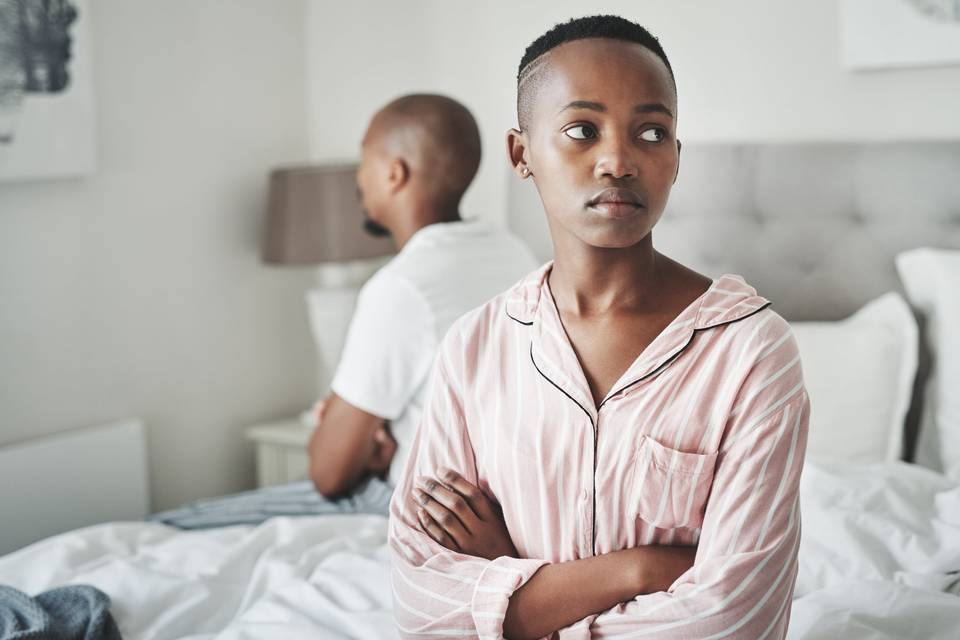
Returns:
<point x="524" y="172"/>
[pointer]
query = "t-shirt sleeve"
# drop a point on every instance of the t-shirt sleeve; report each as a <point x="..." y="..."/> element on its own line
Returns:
<point x="390" y="347"/>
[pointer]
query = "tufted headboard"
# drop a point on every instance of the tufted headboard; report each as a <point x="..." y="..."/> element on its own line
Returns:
<point x="814" y="227"/>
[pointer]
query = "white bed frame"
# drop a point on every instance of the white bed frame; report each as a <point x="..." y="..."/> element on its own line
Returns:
<point x="73" y="479"/>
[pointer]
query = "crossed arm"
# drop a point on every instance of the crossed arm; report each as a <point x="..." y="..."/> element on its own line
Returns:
<point x="459" y="516"/>
<point x="347" y="445"/>
<point x="740" y="584"/>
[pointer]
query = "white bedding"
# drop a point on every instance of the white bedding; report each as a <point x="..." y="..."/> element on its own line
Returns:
<point x="879" y="560"/>
<point x="879" y="554"/>
<point x="290" y="578"/>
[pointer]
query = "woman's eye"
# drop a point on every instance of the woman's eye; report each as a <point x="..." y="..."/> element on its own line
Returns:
<point x="653" y="135"/>
<point x="581" y="132"/>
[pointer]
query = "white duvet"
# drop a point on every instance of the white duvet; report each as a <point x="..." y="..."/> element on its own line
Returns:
<point x="879" y="554"/>
<point x="879" y="559"/>
<point x="290" y="578"/>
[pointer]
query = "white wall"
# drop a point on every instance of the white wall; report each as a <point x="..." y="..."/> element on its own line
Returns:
<point x="747" y="70"/>
<point x="139" y="291"/>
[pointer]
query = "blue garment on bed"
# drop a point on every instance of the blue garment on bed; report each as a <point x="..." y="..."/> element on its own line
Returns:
<point x="294" y="499"/>
<point x="75" y="612"/>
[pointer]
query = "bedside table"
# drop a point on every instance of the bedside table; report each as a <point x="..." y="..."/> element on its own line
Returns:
<point x="281" y="451"/>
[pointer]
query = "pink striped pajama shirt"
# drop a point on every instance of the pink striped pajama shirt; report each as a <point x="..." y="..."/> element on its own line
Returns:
<point x="701" y="441"/>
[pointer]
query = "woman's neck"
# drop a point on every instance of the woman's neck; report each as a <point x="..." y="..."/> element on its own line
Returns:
<point x="588" y="280"/>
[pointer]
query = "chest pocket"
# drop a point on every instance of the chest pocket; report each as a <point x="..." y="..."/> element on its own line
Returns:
<point x="671" y="487"/>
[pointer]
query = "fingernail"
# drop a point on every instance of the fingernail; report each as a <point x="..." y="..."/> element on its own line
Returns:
<point x="420" y="496"/>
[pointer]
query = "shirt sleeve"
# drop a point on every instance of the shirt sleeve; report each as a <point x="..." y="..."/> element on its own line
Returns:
<point x="438" y="592"/>
<point x="741" y="584"/>
<point x="389" y="348"/>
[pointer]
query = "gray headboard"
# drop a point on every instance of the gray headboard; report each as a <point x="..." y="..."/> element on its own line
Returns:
<point x="814" y="227"/>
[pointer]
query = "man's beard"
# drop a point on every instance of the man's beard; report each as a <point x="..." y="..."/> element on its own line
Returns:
<point x="375" y="229"/>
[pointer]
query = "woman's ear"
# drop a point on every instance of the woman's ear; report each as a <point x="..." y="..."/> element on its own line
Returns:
<point x="679" y="146"/>
<point x="517" y="153"/>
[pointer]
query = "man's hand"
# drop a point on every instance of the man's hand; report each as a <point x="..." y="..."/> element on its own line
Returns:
<point x="461" y="517"/>
<point x="384" y="449"/>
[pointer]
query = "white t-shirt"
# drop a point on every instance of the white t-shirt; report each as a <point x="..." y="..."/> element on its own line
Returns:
<point x="404" y="310"/>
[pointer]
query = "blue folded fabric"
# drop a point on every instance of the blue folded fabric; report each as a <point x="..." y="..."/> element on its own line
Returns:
<point x="294" y="499"/>
<point x="75" y="612"/>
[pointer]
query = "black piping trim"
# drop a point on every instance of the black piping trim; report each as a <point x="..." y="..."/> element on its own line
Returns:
<point x="545" y="377"/>
<point x="518" y="320"/>
<point x="682" y="349"/>
<point x="593" y="515"/>
<point x="624" y="388"/>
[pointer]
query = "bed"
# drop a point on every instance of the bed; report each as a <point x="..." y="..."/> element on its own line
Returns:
<point x="816" y="228"/>
<point x="889" y="572"/>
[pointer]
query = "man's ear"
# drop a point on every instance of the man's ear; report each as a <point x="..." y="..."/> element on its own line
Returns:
<point x="398" y="175"/>
<point x="517" y="153"/>
<point x="679" y="146"/>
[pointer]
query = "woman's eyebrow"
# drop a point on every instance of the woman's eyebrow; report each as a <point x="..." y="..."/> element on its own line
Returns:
<point x="584" y="104"/>
<point x="649" y="107"/>
<point x="653" y="107"/>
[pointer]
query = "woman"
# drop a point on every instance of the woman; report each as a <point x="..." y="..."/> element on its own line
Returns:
<point x="614" y="445"/>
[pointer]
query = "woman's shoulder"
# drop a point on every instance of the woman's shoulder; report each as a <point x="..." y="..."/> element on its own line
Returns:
<point x="733" y="304"/>
<point x="495" y="319"/>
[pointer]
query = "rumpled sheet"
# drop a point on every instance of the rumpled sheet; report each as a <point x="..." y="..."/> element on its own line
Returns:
<point x="878" y="560"/>
<point x="879" y="554"/>
<point x="289" y="578"/>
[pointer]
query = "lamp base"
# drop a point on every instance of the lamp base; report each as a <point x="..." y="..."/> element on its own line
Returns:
<point x="330" y="310"/>
<point x="330" y="307"/>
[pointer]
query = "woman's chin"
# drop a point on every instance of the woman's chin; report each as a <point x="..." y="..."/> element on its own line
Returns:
<point x="613" y="238"/>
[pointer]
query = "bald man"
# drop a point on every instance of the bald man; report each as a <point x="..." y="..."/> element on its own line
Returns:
<point x="418" y="156"/>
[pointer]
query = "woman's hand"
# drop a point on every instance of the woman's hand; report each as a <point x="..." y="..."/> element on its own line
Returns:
<point x="461" y="517"/>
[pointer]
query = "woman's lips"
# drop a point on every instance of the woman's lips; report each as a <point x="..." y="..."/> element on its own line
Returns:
<point x="616" y="203"/>
<point x="616" y="209"/>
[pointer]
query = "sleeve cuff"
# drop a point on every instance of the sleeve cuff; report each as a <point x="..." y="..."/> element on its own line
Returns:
<point x="373" y="406"/>
<point x="498" y="581"/>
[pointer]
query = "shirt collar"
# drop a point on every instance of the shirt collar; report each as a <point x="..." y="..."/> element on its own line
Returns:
<point x="530" y="303"/>
<point x="727" y="300"/>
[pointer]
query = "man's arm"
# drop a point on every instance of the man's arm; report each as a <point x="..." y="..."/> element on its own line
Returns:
<point x="386" y="357"/>
<point x="346" y="446"/>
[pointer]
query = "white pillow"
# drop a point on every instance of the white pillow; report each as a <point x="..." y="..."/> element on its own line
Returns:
<point x="859" y="373"/>
<point x="932" y="280"/>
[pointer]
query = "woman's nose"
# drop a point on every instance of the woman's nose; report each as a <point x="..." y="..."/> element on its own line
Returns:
<point x="616" y="161"/>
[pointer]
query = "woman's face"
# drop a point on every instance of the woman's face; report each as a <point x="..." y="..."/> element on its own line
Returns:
<point x="601" y="143"/>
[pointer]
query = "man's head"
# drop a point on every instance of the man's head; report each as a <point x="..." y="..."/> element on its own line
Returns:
<point x="418" y="157"/>
<point x="597" y="106"/>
